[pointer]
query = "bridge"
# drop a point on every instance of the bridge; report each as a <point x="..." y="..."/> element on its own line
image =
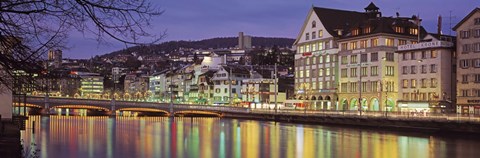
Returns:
<point x="112" y="106"/>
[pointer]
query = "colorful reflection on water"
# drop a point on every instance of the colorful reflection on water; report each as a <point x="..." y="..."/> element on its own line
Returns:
<point x="76" y="136"/>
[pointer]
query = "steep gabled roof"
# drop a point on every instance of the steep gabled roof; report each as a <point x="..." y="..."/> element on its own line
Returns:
<point x="466" y="18"/>
<point x="371" y="6"/>
<point x="333" y="19"/>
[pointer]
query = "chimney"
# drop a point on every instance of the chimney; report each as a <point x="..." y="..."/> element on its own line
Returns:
<point x="439" y="25"/>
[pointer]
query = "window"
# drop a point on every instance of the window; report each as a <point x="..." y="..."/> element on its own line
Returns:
<point x="402" y="42"/>
<point x="353" y="59"/>
<point x="405" y="96"/>
<point x="307" y="36"/>
<point x="464" y="34"/>
<point x="320" y="59"/>
<point x="390" y="56"/>
<point x="320" y="72"/>
<point x="327" y="85"/>
<point x="390" y="71"/>
<point x="424" y="69"/>
<point x="301" y="73"/>
<point x="320" y="33"/>
<point x="307" y="73"/>
<point x="363" y="58"/>
<point x="477" y="21"/>
<point x="464" y="63"/>
<point x="363" y="44"/>
<point x="374" y="86"/>
<point x="320" y="85"/>
<point x="413" y="31"/>
<point x="424" y="55"/>
<point x="314" y="60"/>
<point x="433" y="54"/>
<point x="314" y="47"/>
<point x="314" y="85"/>
<point x="327" y="71"/>
<point x="465" y="93"/>
<point x="477" y="78"/>
<point x="476" y="33"/>
<point x="423" y="82"/>
<point x="367" y="30"/>
<point x="320" y="45"/>
<point x="374" y="57"/>
<point x="374" y="71"/>
<point x="344" y="46"/>
<point x="476" y="63"/>
<point x="433" y="68"/>
<point x="353" y="72"/>
<point x="464" y="78"/>
<point x="225" y="90"/>
<point x="217" y="90"/>
<point x="405" y="70"/>
<point x="475" y="47"/>
<point x="301" y="50"/>
<point x="307" y="48"/>
<point x="404" y="56"/>
<point x="327" y="58"/>
<point x="314" y="24"/>
<point x="234" y="90"/>
<point x="363" y="71"/>
<point x="413" y="83"/>
<point x="327" y="45"/>
<point x="465" y="48"/>
<point x="344" y="60"/>
<point x="355" y="32"/>
<point x="374" y="42"/>
<point x="413" y="69"/>
<point x="389" y="42"/>
<point x="433" y="82"/>
<point x="353" y="45"/>
<point x="405" y="83"/>
<point x="343" y="73"/>
<point x="364" y="87"/>
<point x="412" y="55"/>
<point x="344" y="87"/>
<point x="353" y="87"/>
<point x="399" y="29"/>
<point x="314" y="35"/>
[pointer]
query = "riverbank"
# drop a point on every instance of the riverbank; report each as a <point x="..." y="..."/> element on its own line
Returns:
<point x="438" y="126"/>
<point x="9" y="139"/>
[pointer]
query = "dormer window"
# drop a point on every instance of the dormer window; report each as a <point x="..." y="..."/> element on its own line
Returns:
<point x="399" y="29"/>
<point x="355" y="32"/>
<point x="314" y="24"/>
<point x="367" y="30"/>
<point x="413" y="31"/>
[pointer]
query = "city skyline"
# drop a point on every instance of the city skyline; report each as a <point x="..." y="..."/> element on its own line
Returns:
<point x="204" y="20"/>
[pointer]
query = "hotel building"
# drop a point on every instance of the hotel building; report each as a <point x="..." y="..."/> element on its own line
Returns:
<point x="427" y="75"/>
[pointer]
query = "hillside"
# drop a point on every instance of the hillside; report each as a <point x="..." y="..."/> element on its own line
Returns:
<point x="214" y="43"/>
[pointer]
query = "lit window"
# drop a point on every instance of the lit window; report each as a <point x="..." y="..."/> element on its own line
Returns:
<point x="374" y="42"/>
<point x="367" y="30"/>
<point x="355" y="32"/>
<point x="389" y="42"/>
<point x="353" y="45"/>
<point x="413" y="31"/>
<point x="320" y="33"/>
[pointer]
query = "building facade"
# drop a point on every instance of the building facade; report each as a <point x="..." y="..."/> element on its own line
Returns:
<point x="468" y="61"/>
<point x="427" y="77"/>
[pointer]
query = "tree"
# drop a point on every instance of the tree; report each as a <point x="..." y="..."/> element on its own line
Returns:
<point x="29" y="28"/>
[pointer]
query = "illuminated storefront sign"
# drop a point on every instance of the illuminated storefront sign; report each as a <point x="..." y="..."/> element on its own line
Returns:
<point x="425" y="45"/>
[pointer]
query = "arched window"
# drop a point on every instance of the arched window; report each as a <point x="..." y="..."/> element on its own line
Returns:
<point x="314" y="24"/>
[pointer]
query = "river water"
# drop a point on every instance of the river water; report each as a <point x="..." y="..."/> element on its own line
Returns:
<point x="137" y="137"/>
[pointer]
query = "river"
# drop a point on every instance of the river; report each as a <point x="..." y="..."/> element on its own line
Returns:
<point x="137" y="137"/>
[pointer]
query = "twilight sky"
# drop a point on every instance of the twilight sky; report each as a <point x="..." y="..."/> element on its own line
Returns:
<point x="203" y="19"/>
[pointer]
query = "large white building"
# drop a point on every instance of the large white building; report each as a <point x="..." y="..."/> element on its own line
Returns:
<point x="228" y="84"/>
<point x="427" y="75"/>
